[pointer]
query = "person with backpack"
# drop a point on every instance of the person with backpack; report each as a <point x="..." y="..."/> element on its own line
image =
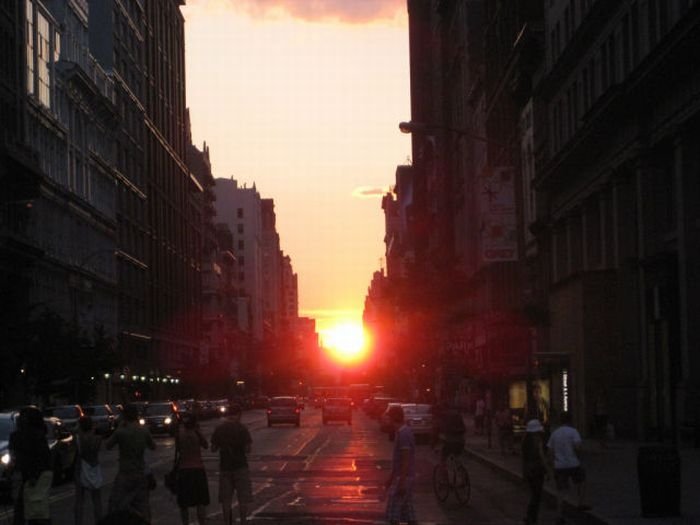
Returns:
<point x="233" y="440"/>
<point x="130" y="489"/>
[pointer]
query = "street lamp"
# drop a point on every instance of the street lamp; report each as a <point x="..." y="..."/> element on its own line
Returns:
<point x="423" y="127"/>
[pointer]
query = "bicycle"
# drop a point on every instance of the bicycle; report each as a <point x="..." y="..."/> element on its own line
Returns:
<point x="451" y="475"/>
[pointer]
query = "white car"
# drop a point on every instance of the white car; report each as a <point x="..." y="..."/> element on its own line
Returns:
<point x="419" y="417"/>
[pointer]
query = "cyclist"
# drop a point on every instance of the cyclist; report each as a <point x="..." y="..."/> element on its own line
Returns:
<point x="449" y="431"/>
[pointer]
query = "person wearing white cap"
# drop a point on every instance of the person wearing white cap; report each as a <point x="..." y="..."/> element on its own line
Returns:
<point x="534" y="467"/>
<point x="564" y="444"/>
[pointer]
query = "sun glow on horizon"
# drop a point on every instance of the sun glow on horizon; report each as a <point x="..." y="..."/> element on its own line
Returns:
<point x="345" y="342"/>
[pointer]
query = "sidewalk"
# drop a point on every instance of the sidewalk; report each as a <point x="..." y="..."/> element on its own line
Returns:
<point x="612" y="484"/>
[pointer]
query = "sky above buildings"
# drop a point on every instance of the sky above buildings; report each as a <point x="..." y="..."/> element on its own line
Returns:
<point x="303" y="98"/>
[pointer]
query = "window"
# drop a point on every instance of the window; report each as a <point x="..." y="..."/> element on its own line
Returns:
<point x="239" y="213"/>
<point x="240" y="228"/>
<point x="241" y="244"/>
<point x="43" y="60"/>
<point x="30" y="47"/>
<point x="241" y="260"/>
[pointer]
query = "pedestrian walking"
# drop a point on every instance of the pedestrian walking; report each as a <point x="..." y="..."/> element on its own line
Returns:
<point x="538" y="408"/>
<point x="192" y="487"/>
<point x="88" y="473"/>
<point x="399" y="505"/>
<point x="130" y="488"/>
<point x="31" y="456"/>
<point x="504" y="424"/>
<point x="564" y="445"/>
<point x="451" y="432"/>
<point x="233" y="440"/>
<point x="534" y="467"/>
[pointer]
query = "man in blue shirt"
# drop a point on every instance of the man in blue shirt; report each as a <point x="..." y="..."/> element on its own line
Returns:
<point x="399" y="505"/>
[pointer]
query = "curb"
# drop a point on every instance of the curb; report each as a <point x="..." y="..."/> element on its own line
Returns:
<point x="548" y="495"/>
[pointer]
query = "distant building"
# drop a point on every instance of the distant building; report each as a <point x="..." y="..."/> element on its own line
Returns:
<point x="240" y="208"/>
<point x="290" y="294"/>
<point x="271" y="270"/>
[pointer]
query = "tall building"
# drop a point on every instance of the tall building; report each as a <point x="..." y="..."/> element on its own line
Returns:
<point x="67" y="113"/>
<point x="174" y="216"/>
<point x="616" y="188"/>
<point x="290" y="294"/>
<point x="553" y="179"/>
<point x="57" y="163"/>
<point x="240" y="208"/>
<point x="271" y="270"/>
<point x="117" y="39"/>
<point x="141" y="44"/>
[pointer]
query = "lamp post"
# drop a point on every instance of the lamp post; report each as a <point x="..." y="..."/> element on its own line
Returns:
<point x="424" y="127"/>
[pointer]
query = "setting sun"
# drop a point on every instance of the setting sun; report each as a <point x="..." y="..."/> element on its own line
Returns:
<point x="345" y="342"/>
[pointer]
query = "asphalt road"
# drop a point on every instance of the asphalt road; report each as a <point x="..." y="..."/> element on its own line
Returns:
<point x="318" y="474"/>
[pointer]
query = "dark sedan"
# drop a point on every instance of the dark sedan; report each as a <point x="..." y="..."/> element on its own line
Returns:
<point x="160" y="418"/>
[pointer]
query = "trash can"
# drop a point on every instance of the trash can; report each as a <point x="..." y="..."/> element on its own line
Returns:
<point x="659" y="471"/>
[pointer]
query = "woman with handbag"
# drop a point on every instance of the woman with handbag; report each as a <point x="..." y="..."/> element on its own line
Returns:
<point x="192" y="488"/>
<point x="88" y="474"/>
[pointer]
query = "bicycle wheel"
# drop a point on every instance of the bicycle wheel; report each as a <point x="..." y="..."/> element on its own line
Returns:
<point x="441" y="482"/>
<point x="462" y="485"/>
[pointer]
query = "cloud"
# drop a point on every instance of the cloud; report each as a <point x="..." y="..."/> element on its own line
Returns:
<point x="347" y="11"/>
<point x="369" y="192"/>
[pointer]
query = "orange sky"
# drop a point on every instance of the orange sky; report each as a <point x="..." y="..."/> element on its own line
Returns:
<point x="303" y="98"/>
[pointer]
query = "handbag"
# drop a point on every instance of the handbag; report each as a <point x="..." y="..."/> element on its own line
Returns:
<point x="90" y="475"/>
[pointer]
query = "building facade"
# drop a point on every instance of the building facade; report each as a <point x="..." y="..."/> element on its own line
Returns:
<point x="240" y="208"/>
<point x="553" y="180"/>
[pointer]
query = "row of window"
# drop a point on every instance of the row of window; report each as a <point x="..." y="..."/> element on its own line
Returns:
<point x="615" y="57"/>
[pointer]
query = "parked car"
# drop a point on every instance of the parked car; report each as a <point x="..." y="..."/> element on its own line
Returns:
<point x="283" y="409"/>
<point x="160" y="418"/>
<point x="68" y="414"/>
<point x="419" y="417"/>
<point x="337" y="409"/>
<point x="103" y="419"/>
